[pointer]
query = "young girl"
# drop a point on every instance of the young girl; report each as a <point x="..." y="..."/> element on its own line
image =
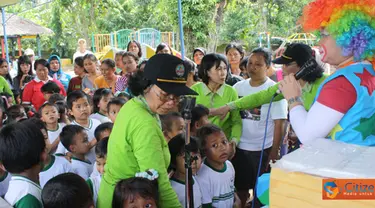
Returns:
<point x="139" y="191"/>
<point x="79" y="70"/>
<point x="100" y="100"/>
<point x="5" y="72"/>
<point x="216" y="176"/>
<point x="163" y="48"/>
<point x="90" y="63"/>
<point x="177" y="150"/>
<point x="235" y="54"/>
<point x="49" y="114"/>
<point x="25" y="73"/>
<point x="135" y="47"/>
<point x="130" y="62"/>
<point x="119" y="64"/>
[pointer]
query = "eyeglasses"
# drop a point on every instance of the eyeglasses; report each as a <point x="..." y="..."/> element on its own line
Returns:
<point x="165" y="98"/>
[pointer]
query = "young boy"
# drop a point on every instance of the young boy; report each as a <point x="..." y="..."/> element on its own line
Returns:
<point x="101" y="158"/>
<point x="67" y="190"/>
<point x="216" y="176"/>
<point x="103" y="130"/>
<point x="199" y="118"/>
<point x="177" y="151"/>
<point x="22" y="153"/>
<point x="79" y="108"/>
<point x="75" y="140"/>
<point x="172" y="125"/>
<point x="48" y="89"/>
<point x="114" y="107"/>
<point x="49" y="114"/>
<point x="53" y="165"/>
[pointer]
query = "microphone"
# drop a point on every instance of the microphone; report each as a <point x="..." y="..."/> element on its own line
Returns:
<point x="307" y="68"/>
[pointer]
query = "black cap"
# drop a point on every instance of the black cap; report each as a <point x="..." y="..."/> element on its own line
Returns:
<point x="169" y="73"/>
<point x="297" y="52"/>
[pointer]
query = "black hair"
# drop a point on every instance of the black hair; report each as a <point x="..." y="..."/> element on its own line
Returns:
<point x="209" y="61"/>
<point x="74" y="96"/>
<point x="138" y="45"/>
<point x="138" y="83"/>
<point x="236" y="46"/>
<point x="197" y="113"/>
<point x="67" y="190"/>
<point x="45" y="105"/>
<point x="91" y="57"/>
<point x="42" y="62"/>
<point x="68" y="134"/>
<point x="204" y="132"/>
<point x="98" y="95"/>
<point x="144" y="61"/>
<point x="7" y="76"/>
<point x="101" y="128"/>
<point x="116" y="101"/>
<point x="177" y="147"/>
<point x="79" y="61"/>
<point x="131" y="54"/>
<point x="192" y="68"/>
<point x="244" y="61"/>
<point x="50" y="87"/>
<point x="101" y="148"/>
<point x="37" y="122"/>
<point x="130" y="188"/>
<point x="56" y="97"/>
<point x="161" y="46"/>
<point x="109" y="62"/>
<point x="266" y="53"/>
<point x="24" y="60"/>
<point x="21" y="146"/>
<point x="14" y="112"/>
<point x="119" y="53"/>
<point x="314" y="74"/>
<point x="168" y="120"/>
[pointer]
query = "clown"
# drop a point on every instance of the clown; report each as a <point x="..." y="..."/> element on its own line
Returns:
<point x="344" y="106"/>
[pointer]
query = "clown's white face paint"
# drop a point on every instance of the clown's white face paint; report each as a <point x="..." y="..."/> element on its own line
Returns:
<point x="330" y="51"/>
<point x="322" y="51"/>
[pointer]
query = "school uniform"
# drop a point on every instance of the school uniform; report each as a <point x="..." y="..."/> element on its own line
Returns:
<point x="217" y="186"/>
<point x="4" y="183"/>
<point x="82" y="168"/>
<point x="179" y="187"/>
<point x="94" y="185"/>
<point x="58" y="165"/>
<point x="100" y="117"/>
<point x="24" y="193"/>
<point x="54" y="134"/>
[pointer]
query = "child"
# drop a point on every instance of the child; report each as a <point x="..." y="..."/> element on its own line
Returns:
<point x="59" y="101"/>
<point x="114" y="107"/>
<point x="172" y="125"/>
<point x="103" y="130"/>
<point x="49" y="89"/>
<point x="177" y="150"/>
<point x="199" y="118"/>
<point x="4" y="181"/>
<point x="139" y="191"/>
<point x="22" y="152"/>
<point x="75" y="140"/>
<point x="15" y="113"/>
<point x="119" y="64"/>
<point x="49" y="114"/>
<point x="130" y="66"/>
<point x="216" y="176"/>
<point x="90" y="62"/>
<point x="79" y="109"/>
<point x="76" y="82"/>
<point x="100" y="100"/>
<point x="67" y="190"/>
<point x="53" y="165"/>
<point x="101" y="158"/>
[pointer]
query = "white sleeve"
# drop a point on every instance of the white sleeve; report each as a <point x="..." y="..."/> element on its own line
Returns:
<point x="81" y="172"/>
<point x="205" y="186"/>
<point x="279" y="110"/>
<point x="60" y="149"/>
<point x="317" y="123"/>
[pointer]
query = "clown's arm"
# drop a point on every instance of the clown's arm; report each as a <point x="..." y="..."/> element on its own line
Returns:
<point x="335" y="99"/>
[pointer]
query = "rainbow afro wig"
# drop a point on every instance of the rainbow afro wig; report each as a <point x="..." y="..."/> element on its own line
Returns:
<point x="350" y="22"/>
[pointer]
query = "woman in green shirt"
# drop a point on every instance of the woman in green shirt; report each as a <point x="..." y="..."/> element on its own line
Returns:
<point x="137" y="142"/>
<point x="214" y="93"/>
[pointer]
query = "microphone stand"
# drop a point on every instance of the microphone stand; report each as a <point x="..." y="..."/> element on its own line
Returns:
<point x="188" y="104"/>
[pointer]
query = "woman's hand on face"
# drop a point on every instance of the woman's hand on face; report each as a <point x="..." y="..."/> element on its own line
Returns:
<point x="221" y="112"/>
<point x="290" y="87"/>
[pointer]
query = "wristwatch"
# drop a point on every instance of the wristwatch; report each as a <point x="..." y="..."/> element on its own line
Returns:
<point x="294" y="100"/>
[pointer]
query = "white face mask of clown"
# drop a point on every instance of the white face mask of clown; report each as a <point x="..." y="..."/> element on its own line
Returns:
<point x="331" y="53"/>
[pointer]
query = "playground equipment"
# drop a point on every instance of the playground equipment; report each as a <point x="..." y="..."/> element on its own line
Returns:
<point x="148" y="37"/>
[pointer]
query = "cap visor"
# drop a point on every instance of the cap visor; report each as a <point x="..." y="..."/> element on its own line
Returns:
<point x="282" y="60"/>
<point x="176" y="89"/>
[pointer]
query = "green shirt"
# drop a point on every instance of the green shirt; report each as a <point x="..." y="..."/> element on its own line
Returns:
<point x="4" y="86"/>
<point x="265" y="96"/>
<point x="232" y="123"/>
<point x="135" y="145"/>
<point x="28" y="201"/>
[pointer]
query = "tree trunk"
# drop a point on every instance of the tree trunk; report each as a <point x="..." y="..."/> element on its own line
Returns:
<point x="218" y="18"/>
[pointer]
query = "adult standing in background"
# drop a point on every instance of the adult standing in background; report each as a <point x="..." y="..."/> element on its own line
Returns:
<point x="30" y="53"/>
<point x="81" y="51"/>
